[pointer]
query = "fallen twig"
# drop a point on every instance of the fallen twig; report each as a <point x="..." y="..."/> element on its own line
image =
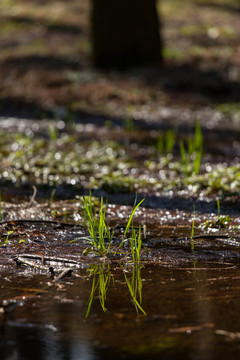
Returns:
<point x="39" y="221"/>
<point x="39" y="262"/>
<point x="21" y="261"/>
<point x="63" y="274"/>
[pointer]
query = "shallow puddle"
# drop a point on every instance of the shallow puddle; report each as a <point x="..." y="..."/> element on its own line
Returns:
<point x="188" y="310"/>
<point x="180" y="302"/>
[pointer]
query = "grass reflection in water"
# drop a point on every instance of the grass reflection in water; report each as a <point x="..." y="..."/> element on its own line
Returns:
<point x="102" y="276"/>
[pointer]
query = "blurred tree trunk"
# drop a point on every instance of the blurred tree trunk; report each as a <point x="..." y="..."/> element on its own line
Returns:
<point x="125" y="33"/>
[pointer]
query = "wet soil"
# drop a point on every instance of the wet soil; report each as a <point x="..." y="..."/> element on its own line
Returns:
<point x="66" y="128"/>
<point x="189" y="294"/>
<point x="191" y="311"/>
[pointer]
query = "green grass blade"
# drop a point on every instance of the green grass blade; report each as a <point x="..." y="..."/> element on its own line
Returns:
<point x="131" y="217"/>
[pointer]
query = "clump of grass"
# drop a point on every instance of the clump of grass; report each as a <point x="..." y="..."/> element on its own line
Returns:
<point x="191" y="153"/>
<point x="221" y="222"/>
<point x="136" y="245"/>
<point x="166" y="142"/>
<point x="134" y="240"/>
<point x="101" y="235"/>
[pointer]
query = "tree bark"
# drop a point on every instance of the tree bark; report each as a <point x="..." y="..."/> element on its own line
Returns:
<point x="125" y="33"/>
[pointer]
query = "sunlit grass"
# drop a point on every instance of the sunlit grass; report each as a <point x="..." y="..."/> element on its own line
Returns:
<point x="191" y="153"/>
<point x="101" y="235"/>
<point x="66" y="160"/>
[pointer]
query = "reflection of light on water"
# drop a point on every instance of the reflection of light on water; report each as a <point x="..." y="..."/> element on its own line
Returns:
<point x="203" y="347"/>
<point x="42" y="342"/>
<point x="184" y="307"/>
<point x="71" y="350"/>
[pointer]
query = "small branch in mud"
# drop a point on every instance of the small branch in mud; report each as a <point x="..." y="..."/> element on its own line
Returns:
<point x="50" y="259"/>
<point x="229" y="334"/>
<point x="65" y="273"/>
<point x="21" y="261"/>
<point x="41" y="221"/>
<point x="39" y="262"/>
<point x="33" y="264"/>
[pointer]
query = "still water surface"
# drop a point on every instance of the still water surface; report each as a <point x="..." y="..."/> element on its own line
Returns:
<point x="192" y="312"/>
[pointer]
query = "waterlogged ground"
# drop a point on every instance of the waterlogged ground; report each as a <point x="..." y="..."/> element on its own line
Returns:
<point x="170" y="135"/>
<point x="191" y="313"/>
<point x="180" y="301"/>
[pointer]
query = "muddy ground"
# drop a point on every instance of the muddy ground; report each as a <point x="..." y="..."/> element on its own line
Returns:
<point x="66" y="129"/>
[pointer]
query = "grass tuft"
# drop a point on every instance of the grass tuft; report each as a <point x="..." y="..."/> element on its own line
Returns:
<point x="101" y="235"/>
<point x="166" y="142"/>
<point x="191" y="152"/>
